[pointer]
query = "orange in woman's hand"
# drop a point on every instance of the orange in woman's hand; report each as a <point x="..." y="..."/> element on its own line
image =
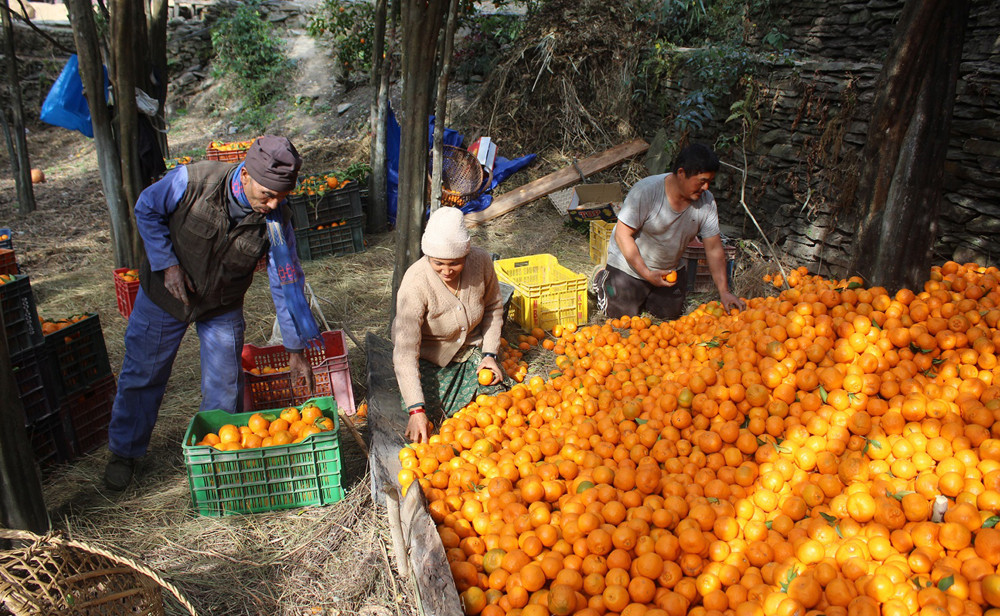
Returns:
<point x="485" y="376"/>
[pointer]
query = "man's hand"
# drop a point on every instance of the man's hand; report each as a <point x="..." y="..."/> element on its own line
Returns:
<point x="301" y="371"/>
<point x="658" y="278"/>
<point x="490" y="363"/>
<point x="730" y="301"/>
<point x="177" y="282"/>
<point x="418" y="428"/>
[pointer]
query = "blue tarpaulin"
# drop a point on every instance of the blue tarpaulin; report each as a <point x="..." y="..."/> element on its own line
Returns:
<point x="65" y="105"/>
<point x="503" y="168"/>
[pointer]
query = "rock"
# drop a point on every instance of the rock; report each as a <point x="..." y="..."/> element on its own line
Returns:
<point x="343" y="107"/>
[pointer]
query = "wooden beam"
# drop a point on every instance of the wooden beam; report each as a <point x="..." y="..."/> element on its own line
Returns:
<point x="386" y="418"/>
<point x="428" y="561"/>
<point x="565" y="177"/>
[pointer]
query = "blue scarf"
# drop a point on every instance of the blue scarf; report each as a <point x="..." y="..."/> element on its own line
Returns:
<point x="292" y="288"/>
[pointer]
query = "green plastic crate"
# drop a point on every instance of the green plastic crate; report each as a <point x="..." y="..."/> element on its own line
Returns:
<point x="263" y="478"/>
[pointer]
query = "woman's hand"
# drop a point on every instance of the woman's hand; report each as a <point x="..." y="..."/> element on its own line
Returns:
<point x="418" y="428"/>
<point x="490" y="363"/>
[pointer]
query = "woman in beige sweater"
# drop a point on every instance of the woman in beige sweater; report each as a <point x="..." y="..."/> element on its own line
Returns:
<point x="447" y="326"/>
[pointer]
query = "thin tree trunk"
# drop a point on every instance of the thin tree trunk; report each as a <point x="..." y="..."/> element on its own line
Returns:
<point x="899" y="191"/>
<point x="378" y="206"/>
<point x="124" y="20"/>
<point x="108" y="160"/>
<point x="422" y="22"/>
<point x="19" y="156"/>
<point x="156" y="25"/>
<point x="22" y="505"/>
<point x="441" y="112"/>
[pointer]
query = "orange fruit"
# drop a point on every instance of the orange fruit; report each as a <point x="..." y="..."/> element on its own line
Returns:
<point x="485" y="376"/>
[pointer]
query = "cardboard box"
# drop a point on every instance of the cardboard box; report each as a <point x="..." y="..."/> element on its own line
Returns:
<point x="595" y="202"/>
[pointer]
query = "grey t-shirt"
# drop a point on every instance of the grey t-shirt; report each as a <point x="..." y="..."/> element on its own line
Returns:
<point x="662" y="234"/>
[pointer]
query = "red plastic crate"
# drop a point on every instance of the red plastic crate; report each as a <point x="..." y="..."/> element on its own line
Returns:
<point x="228" y="156"/>
<point x="261" y="265"/>
<point x="275" y="390"/>
<point x="89" y="414"/>
<point x="8" y="262"/>
<point x="125" y="292"/>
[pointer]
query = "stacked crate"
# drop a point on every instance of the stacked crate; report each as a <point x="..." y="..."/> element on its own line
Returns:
<point x="46" y="429"/>
<point x="328" y="221"/>
<point x="82" y="384"/>
<point x="699" y="277"/>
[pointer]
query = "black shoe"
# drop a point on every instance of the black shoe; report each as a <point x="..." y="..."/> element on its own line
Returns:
<point x="118" y="473"/>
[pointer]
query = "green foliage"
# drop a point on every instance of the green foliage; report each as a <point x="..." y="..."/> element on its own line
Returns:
<point x="488" y="38"/>
<point x="351" y="25"/>
<point x="251" y="61"/>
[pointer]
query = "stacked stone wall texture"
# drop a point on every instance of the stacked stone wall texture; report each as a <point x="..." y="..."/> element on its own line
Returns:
<point x="804" y="161"/>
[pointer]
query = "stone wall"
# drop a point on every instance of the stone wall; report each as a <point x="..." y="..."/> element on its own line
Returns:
<point x="804" y="158"/>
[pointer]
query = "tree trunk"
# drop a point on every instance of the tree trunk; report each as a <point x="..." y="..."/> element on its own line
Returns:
<point x="378" y="202"/>
<point x="21" y="503"/>
<point x="441" y="112"/>
<point x="125" y="19"/>
<point x="19" y="156"/>
<point x="108" y="160"/>
<point x="899" y="191"/>
<point x="156" y="25"/>
<point x="422" y="22"/>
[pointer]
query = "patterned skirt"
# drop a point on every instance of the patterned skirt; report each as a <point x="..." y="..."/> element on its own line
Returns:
<point x="448" y="389"/>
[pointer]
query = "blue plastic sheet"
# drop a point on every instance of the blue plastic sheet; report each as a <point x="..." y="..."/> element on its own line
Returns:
<point x="65" y="105"/>
<point x="503" y="168"/>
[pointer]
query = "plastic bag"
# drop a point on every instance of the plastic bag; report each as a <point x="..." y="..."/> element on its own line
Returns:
<point x="65" y="105"/>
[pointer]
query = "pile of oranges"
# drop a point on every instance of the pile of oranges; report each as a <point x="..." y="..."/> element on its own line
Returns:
<point x="129" y="275"/>
<point x="833" y="450"/>
<point x="319" y="184"/>
<point x="232" y="146"/>
<point x="292" y="425"/>
<point x="49" y="327"/>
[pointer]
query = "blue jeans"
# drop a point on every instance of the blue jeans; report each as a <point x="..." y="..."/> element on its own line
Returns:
<point x="151" y="342"/>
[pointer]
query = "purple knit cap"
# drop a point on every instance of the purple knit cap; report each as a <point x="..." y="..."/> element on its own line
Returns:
<point x="273" y="162"/>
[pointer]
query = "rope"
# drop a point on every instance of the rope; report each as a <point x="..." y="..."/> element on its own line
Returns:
<point x="53" y="538"/>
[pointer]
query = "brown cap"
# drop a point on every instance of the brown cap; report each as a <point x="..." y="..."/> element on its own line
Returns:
<point x="273" y="162"/>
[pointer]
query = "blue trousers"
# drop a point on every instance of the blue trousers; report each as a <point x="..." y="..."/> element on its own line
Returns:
<point x="151" y="342"/>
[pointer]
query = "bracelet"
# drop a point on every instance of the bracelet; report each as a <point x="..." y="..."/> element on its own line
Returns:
<point x="419" y="411"/>
<point x="413" y="409"/>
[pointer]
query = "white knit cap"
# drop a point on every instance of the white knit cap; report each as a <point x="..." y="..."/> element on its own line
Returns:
<point x="446" y="236"/>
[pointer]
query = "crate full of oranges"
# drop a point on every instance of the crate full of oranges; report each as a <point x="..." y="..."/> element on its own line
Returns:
<point x="231" y="152"/>
<point x="323" y="199"/>
<point x="264" y="461"/>
<point x="126" y="288"/>
<point x="76" y="352"/>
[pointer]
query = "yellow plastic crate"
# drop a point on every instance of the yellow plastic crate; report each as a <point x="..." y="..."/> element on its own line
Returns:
<point x="545" y="293"/>
<point x="600" y="235"/>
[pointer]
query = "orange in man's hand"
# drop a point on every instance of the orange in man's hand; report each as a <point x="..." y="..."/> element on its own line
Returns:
<point x="670" y="276"/>
<point x="485" y="376"/>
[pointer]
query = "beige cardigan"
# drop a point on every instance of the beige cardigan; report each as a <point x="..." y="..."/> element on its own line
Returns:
<point x="433" y="324"/>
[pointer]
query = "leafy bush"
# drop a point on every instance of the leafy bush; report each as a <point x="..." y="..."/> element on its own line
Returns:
<point x="251" y="62"/>
<point x="489" y="36"/>
<point x="352" y="27"/>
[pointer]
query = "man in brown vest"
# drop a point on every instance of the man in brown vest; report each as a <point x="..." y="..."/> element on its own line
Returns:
<point x="203" y="227"/>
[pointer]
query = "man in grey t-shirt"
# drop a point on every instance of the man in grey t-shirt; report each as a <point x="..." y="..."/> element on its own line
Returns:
<point x="660" y="217"/>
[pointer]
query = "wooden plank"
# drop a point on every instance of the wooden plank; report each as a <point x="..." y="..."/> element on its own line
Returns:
<point x="387" y="423"/>
<point x="428" y="561"/>
<point x="564" y="178"/>
<point x="386" y="418"/>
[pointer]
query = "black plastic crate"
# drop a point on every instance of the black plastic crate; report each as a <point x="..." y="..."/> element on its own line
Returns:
<point x="89" y="414"/>
<point x="347" y="238"/>
<point x="20" y="317"/>
<point x="33" y="383"/>
<point x="50" y="441"/>
<point x="78" y="355"/>
<point x="332" y="206"/>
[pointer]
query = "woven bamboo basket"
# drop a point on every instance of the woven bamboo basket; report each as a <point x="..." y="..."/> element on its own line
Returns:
<point x="53" y="575"/>
<point x="462" y="177"/>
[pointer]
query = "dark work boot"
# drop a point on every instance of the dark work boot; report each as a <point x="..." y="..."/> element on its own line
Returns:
<point x="118" y="473"/>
